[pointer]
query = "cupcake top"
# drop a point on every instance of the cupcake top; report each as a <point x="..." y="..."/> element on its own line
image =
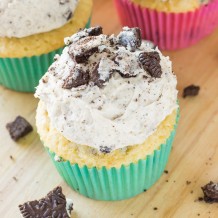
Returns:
<point x="21" y="18"/>
<point x="108" y="92"/>
<point x="172" y="5"/>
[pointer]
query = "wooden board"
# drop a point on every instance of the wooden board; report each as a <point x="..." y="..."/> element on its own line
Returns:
<point x="194" y="157"/>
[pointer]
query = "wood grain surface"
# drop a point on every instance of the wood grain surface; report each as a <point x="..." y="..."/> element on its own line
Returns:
<point x="26" y="173"/>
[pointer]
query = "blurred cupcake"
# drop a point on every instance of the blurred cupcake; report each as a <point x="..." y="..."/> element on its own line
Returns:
<point x="108" y="113"/>
<point x="31" y="33"/>
<point x="171" y="24"/>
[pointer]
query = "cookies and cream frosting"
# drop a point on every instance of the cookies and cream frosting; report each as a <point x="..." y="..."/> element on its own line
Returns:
<point x="108" y="92"/>
<point x="20" y="18"/>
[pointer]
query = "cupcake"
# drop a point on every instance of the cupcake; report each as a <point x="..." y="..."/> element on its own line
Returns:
<point x="171" y="24"/>
<point x="108" y="113"/>
<point x="27" y="42"/>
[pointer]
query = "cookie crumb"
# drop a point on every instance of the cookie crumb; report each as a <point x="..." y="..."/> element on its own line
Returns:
<point x="191" y="90"/>
<point x="19" y="128"/>
<point x="188" y="182"/>
<point x="15" y="179"/>
<point x="11" y="157"/>
<point x="53" y="205"/>
<point x="200" y="199"/>
<point x="210" y="191"/>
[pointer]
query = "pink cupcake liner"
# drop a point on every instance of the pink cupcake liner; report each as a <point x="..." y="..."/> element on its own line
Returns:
<point x="169" y="31"/>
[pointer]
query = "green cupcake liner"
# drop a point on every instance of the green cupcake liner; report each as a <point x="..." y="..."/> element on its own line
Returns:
<point x="23" y="74"/>
<point x="116" y="183"/>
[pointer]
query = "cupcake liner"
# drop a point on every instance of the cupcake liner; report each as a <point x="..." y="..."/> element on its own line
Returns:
<point x="23" y="74"/>
<point x="169" y="31"/>
<point x="116" y="183"/>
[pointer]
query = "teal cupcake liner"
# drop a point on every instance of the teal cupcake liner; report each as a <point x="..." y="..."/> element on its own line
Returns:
<point x="23" y="74"/>
<point x="116" y="183"/>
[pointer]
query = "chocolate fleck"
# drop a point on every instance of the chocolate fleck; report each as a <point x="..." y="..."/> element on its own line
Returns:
<point x="166" y="171"/>
<point x="53" y="205"/>
<point x="19" y="128"/>
<point x="130" y="38"/>
<point x="81" y="78"/>
<point x="210" y="191"/>
<point x="191" y="90"/>
<point x="151" y="63"/>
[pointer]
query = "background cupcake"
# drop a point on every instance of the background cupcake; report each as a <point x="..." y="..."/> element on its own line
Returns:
<point x="108" y="113"/>
<point x="171" y="24"/>
<point x="31" y="33"/>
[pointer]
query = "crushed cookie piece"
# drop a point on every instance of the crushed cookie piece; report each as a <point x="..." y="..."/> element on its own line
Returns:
<point x="94" y="31"/>
<point x="79" y="78"/>
<point x="53" y="205"/>
<point x="191" y="90"/>
<point x="83" y="57"/>
<point x="19" y="128"/>
<point x="151" y="63"/>
<point x="105" y="149"/>
<point x="130" y="38"/>
<point x="210" y="191"/>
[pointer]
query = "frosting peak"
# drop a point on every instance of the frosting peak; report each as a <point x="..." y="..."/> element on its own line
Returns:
<point x="108" y="92"/>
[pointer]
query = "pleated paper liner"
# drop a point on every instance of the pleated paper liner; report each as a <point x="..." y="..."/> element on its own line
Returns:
<point x="116" y="183"/>
<point x="23" y="74"/>
<point x="169" y="31"/>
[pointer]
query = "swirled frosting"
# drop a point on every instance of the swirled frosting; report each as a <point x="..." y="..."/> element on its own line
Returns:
<point x="20" y="18"/>
<point x="108" y="92"/>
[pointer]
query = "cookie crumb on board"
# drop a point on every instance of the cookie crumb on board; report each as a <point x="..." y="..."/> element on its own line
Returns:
<point x="191" y="90"/>
<point x="19" y="128"/>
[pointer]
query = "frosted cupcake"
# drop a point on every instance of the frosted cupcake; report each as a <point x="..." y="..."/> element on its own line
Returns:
<point x="107" y="113"/>
<point x="171" y="24"/>
<point x="27" y="42"/>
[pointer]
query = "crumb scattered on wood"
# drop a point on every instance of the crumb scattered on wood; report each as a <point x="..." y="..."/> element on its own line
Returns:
<point x="188" y="182"/>
<point x="15" y="179"/>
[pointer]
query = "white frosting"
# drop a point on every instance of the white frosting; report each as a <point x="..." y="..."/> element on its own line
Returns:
<point x="122" y="113"/>
<point x="20" y="18"/>
<point x="69" y="206"/>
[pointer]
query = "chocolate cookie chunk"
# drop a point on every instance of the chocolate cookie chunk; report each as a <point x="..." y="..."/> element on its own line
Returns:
<point x="78" y="78"/>
<point x="105" y="149"/>
<point x="151" y="63"/>
<point x="53" y="205"/>
<point x="19" y="128"/>
<point x="210" y="191"/>
<point x="95" y="77"/>
<point x="94" y="31"/>
<point x="83" y="57"/>
<point x="191" y="90"/>
<point x="130" y="38"/>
